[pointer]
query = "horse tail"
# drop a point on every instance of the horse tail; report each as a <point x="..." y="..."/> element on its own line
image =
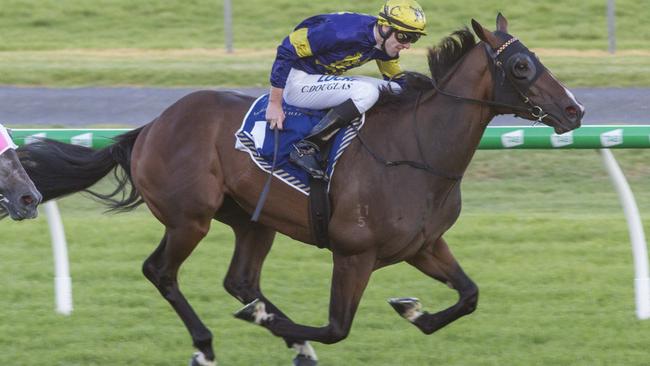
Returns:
<point x="58" y="169"/>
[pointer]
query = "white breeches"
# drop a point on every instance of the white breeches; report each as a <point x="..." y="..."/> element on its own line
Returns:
<point x="326" y="91"/>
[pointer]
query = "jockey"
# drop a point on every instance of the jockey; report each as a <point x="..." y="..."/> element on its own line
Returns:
<point x="309" y="61"/>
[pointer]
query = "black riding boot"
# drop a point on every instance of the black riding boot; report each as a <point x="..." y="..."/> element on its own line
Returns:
<point x="306" y="153"/>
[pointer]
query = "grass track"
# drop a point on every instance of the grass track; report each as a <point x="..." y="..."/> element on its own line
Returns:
<point x="65" y="24"/>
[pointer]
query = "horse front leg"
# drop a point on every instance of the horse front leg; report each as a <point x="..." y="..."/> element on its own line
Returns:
<point x="349" y="279"/>
<point x="436" y="261"/>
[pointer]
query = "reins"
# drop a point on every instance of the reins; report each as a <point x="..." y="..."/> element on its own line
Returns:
<point x="410" y="163"/>
<point x="267" y="186"/>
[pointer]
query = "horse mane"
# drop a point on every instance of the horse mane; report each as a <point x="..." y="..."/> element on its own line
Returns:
<point x="442" y="59"/>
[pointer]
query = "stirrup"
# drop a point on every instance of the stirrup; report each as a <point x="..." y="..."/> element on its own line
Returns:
<point x="306" y="156"/>
<point x="306" y="147"/>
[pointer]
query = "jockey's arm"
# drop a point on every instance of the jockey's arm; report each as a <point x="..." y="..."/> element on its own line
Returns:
<point x="288" y="52"/>
<point x="284" y="60"/>
<point x="389" y="69"/>
<point x="297" y="45"/>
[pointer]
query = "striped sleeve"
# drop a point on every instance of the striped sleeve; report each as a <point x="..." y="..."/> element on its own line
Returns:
<point x="389" y="68"/>
<point x="300" y="42"/>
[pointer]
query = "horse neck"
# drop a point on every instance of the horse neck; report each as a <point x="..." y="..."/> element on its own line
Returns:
<point x="450" y="130"/>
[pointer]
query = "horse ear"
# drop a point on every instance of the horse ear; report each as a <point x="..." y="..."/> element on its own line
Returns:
<point x="502" y="23"/>
<point x="485" y="35"/>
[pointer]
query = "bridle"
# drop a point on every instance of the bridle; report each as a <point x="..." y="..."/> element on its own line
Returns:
<point x="500" y="58"/>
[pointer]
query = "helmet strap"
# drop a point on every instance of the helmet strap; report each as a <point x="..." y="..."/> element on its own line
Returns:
<point x="384" y="35"/>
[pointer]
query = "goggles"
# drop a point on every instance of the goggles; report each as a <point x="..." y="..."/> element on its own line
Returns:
<point x="406" y="37"/>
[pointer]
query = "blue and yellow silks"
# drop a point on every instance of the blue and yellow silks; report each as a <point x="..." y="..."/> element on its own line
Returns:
<point x="331" y="44"/>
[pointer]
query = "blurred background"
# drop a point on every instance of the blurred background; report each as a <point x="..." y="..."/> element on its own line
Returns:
<point x="174" y="43"/>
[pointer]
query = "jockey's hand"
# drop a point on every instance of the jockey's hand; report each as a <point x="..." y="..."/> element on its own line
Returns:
<point x="274" y="112"/>
<point x="275" y="115"/>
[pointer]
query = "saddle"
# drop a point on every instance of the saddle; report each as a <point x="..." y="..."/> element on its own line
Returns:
<point x="257" y="139"/>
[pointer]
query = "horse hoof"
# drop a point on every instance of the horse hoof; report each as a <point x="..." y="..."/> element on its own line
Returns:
<point x="407" y="307"/>
<point x="198" y="359"/>
<point x="254" y="312"/>
<point x="247" y="313"/>
<point x="302" y="360"/>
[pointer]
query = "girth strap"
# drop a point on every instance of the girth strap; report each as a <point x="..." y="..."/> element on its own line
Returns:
<point x="319" y="212"/>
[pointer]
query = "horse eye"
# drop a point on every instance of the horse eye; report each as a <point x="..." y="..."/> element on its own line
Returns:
<point x="521" y="69"/>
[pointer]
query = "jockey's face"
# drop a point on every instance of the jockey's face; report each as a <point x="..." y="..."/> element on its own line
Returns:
<point x="393" y="46"/>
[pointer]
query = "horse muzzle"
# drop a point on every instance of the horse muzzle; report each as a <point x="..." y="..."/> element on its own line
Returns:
<point x="564" y="118"/>
<point x="22" y="206"/>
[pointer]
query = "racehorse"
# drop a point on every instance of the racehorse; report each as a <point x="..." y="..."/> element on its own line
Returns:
<point x="404" y="169"/>
<point x="18" y="195"/>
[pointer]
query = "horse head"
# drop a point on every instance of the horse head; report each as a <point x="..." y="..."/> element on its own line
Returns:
<point x="523" y="85"/>
<point x="18" y="195"/>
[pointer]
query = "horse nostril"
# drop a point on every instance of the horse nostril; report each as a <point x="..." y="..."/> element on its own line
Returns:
<point x="27" y="200"/>
<point x="572" y="112"/>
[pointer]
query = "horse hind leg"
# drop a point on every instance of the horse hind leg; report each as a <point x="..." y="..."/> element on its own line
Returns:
<point x="437" y="262"/>
<point x="253" y="242"/>
<point x="161" y="268"/>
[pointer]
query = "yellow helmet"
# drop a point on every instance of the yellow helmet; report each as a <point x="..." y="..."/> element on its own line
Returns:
<point x="403" y="15"/>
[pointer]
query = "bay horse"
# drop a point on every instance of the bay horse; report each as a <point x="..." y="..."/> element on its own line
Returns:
<point x="19" y="197"/>
<point x="184" y="167"/>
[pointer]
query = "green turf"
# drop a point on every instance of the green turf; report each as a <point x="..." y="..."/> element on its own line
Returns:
<point x="67" y="24"/>
<point x="51" y="43"/>
<point x="546" y="242"/>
